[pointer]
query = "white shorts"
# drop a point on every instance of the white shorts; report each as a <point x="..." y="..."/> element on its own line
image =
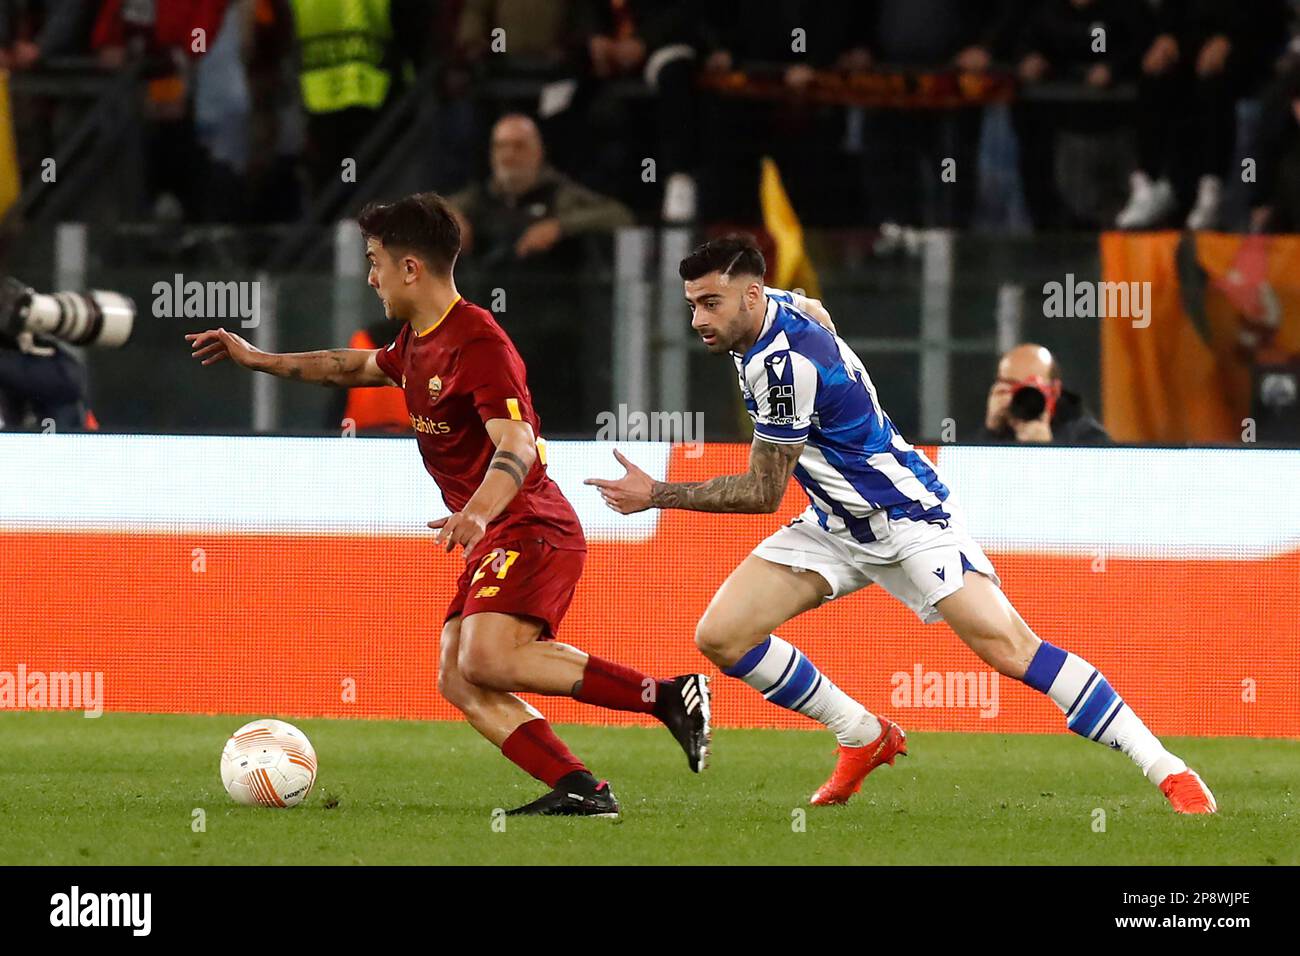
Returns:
<point x="917" y="562"/>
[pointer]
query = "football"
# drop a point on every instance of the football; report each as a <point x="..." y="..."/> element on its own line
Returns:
<point x="268" y="763"/>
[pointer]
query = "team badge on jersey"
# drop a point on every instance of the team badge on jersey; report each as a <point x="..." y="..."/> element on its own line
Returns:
<point x="780" y="388"/>
<point x="435" y="388"/>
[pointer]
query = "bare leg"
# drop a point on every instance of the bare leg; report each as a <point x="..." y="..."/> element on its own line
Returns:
<point x="984" y="619"/>
<point x="502" y="652"/>
<point x="757" y="598"/>
<point x="494" y="714"/>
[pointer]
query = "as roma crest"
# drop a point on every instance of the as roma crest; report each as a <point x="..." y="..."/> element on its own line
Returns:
<point x="435" y="388"/>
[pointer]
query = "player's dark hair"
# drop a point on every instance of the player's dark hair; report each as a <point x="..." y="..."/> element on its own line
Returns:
<point x="421" y="223"/>
<point x="737" y="254"/>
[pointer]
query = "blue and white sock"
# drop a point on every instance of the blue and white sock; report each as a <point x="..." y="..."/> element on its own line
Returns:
<point x="780" y="672"/>
<point x="1093" y="710"/>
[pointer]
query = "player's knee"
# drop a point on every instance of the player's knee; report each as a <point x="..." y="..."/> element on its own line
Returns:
<point x="717" y="641"/>
<point x="1001" y="649"/>
<point x="452" y="686"/>
<point x="482" y="668"/>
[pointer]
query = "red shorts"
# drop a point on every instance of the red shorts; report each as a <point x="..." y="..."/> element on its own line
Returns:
<point x="527" y="578"/>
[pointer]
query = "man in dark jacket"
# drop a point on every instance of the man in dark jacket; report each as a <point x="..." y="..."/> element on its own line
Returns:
<point x="527" y="211"/>
<point x="1027" y="404"/>
<point x="534" y="235"/>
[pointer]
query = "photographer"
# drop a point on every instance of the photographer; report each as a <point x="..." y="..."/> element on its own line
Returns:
<point x="41" y="380"/>
<point x="1027" y="404"/>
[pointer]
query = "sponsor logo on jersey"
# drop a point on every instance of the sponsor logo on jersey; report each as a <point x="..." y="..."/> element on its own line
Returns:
<point x="427" y="426"/>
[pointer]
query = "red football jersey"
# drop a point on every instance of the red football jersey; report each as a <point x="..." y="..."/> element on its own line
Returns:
<point x="457" y="375"/>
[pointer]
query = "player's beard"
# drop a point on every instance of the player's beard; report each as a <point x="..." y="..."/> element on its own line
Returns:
<point x="739" y="326"/>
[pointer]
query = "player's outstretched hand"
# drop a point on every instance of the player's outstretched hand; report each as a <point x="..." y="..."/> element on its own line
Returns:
<point x="629" y="494"/>
<point x="458" y="529"/>
<point x="216" y="344"/>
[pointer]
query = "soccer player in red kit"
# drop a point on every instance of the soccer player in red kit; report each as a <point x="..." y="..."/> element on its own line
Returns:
<point x="524" y="548"/>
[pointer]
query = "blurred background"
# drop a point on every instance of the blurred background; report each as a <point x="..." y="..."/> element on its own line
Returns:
<point x="964" y="183"/>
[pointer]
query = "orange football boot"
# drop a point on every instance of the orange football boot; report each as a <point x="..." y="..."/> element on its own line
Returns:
<point x="855" y="763"/>
<point x="1188" y="793"/>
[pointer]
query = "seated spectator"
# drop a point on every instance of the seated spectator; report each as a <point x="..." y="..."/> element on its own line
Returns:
<point x="527" y="210"/>
<point x="532" y="251"/>
<point x="575" y="52"/>
<point x="1206" y="55"/>
<point x="1028" y="404"/>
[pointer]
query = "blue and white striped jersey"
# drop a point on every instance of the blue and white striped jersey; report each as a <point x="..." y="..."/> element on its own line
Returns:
<point x="802" y="383"/>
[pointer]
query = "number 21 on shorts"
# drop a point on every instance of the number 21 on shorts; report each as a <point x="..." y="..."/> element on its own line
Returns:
<point x="500" y="559"/>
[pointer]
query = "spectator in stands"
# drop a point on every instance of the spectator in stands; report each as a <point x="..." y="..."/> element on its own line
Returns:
<point x="656" y="41"/>
<point x="1206" y="55"/>
<point x="792" y="39"/>
<point x="277" y="127"/>
<point x="539" y="38"/>
<point x="507" y="56"/>
<point x="527" y="210"/>
<point x="1028" y="404"/>
<point x="1277" y="150"/>
<point x="535" y="244"/>
<point x="346" y="85"/>
<point x="222" y="111"/>
<point x="1058" y="42"/>
<point x="160" y="40"/>
<point x="901" y="144"/>
<point x="31" y="30"/>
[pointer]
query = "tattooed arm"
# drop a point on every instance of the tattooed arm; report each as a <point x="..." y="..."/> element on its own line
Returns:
<point x="345" y="368"/>
<point x="513" y="459"/>
<point x="758" y="491"/>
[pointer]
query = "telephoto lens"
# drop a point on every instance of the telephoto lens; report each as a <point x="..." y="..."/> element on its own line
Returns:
<point x="96" y="318"/>
<point x="1027" y="403"/>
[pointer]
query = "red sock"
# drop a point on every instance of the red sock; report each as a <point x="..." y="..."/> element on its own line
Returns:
<point x="611" y="685"/>
<point x="535" y="749"/>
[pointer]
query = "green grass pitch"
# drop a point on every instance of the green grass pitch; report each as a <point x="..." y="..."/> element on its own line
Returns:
<point x="123" y="789"/>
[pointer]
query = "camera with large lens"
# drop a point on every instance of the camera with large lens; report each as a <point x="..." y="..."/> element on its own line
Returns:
<point x="1027" y="403"/>
<point x="95" y="318"/>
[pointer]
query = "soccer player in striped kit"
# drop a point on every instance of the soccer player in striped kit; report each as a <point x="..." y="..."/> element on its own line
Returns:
<point x="878" y="512"/>
<point x="479" y="437"/>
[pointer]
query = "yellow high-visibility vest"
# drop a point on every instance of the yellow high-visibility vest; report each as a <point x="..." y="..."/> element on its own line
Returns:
<point x="343" y="44"/>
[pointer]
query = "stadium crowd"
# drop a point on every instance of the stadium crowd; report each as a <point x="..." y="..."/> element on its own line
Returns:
<point x="1144" y="106"/>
